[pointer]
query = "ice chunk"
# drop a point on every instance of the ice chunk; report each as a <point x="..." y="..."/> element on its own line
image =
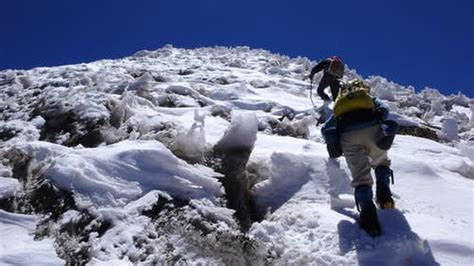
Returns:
<point x="241" y="134"/>
<point x="449" y="131"/>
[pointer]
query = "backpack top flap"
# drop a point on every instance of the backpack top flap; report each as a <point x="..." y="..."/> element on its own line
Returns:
<point x="353" y="96"/>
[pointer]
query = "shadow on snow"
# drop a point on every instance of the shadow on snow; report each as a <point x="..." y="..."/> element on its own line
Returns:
<point x="398" y="244"/>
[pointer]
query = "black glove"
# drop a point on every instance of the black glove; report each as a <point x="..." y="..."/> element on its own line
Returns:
<point x="380" y="114"/>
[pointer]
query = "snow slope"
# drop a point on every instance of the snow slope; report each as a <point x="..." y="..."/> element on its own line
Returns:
<point x="312" y="221"/>
<point x="124" y="149"/>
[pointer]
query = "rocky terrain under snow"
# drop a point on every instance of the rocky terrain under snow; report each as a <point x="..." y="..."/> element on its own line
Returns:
<point x="214" y="156"/>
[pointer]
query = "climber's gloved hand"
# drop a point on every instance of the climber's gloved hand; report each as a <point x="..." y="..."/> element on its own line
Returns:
<point x="381" y="114"/>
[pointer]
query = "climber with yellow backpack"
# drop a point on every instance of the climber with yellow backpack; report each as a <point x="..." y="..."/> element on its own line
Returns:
<point x="359" y="130"/>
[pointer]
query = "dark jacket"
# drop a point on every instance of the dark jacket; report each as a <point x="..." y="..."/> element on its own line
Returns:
<point x="327" y="80"/>
<point x="323" y="65"/>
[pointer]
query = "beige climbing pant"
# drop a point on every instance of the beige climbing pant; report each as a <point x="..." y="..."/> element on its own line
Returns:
<point x="362" y="154"/>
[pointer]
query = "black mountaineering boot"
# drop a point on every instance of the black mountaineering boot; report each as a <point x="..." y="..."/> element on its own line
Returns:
<point x="369" y="221"/>
<point x="383" y="194"/>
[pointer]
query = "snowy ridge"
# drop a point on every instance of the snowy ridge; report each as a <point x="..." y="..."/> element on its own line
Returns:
<point x="116" y="174"/>
<point x="139" y="160"/>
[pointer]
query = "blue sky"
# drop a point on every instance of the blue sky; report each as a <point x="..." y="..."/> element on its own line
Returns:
<point x="420" y="43"/>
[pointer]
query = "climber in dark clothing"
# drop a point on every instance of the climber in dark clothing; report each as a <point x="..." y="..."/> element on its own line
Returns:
<point x="333" y="71"/>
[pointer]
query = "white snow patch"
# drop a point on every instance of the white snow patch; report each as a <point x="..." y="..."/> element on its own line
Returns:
<point x="17" y="245"/>
<point x="8" y="187"/>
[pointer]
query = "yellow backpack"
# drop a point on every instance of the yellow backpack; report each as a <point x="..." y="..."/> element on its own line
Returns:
<point x="353" y="95"/>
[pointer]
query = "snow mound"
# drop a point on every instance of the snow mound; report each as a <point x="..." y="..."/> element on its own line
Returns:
<point x="241" y="134"/>
<point x="117" y="174"/>
<point x="8" y="187"/>
<point x="288" y="173"/>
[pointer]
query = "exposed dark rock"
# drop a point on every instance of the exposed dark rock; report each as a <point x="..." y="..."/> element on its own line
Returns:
<point x="283" y="127"/>
<point x="7" y="134"/>
<point x="220" y="80"/>
<point x="55" y="84"/>
<point x="160" y="78"/>
<point x="259" y="84"/>
<point x="72" y="238"/>
<point x="200" y="232"/>
<point x="136" y="73"/>
<point x="232" y="163"/>
<point x="422" y="132"/>
<point x="167" y="101"/>
<point x="185" y="72"/>
<point x="164" y="204"/>
<point x="221" y="111"/>
<point x="61" y="122"/>
<point x="91" y="138"/>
